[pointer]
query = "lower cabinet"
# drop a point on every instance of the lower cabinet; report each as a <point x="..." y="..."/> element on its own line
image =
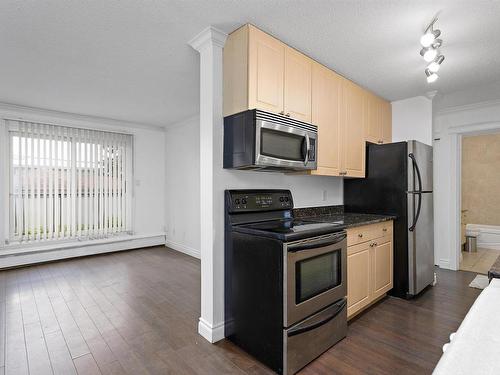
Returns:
<point x="358" y="278"/>
<point x="369" y="266"/>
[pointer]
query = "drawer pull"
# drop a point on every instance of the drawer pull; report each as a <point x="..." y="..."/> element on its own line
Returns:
<point x="360" y="235"/>
<point x="385" y="229"/>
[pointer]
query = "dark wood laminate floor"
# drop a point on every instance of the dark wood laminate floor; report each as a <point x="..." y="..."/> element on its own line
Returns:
<point x="136" y="312"/>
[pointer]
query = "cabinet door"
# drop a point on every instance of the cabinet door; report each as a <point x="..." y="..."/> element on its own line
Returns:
<point x="353" y="137"/>
<point x="381" y="268"/>
<point x="372" y="125"/>
<point x="266" y="64"/>
<point x="358" y="279"/>
<point x="386" y="121"/>
<point x="297" y="94"/>
<point x="326" y="89"/>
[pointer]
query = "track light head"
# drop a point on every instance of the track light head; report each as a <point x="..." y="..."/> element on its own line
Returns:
<point x="428" y="53"/>
<point x="431" y="77"/>
<point x="429" y="37"/>
<point x="436" y="64"/>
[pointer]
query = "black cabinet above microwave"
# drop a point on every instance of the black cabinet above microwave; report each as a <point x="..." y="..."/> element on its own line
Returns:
<point x="258" y="140"/>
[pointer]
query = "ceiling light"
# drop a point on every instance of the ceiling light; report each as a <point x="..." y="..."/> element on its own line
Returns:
<point x="428" y="53"/>
<point x="436" y="64"/>
<point x="431" y="51"/>
<point x="428" y="38"/>
<point x="431" y="77"/>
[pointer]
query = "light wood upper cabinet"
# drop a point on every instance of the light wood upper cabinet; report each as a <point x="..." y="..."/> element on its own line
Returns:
<point x="297" y="93"/>
<point x="386" y="121"/>
<point x="264" y="73"/>
<point x="353" y="137"/>
<point x="261" y="72"/>
<point x="377" y="119"/>
<point x="266" y="67"/>
<point x="372" y="118"/>
<point x="326" y="95"/>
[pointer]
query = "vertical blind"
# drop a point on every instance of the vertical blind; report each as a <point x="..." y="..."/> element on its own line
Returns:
<point x="68" y="183"/>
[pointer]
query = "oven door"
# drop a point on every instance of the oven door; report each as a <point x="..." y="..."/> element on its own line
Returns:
<point x="315" y="275"/>
<point x="284" y="146"/>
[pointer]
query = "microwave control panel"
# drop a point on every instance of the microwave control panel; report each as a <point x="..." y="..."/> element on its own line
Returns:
<point x="259" y="200"/>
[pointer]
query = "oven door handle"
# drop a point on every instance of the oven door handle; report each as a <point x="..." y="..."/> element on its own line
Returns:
<point x="339" y="306"/>
<point x="313" y="244"/>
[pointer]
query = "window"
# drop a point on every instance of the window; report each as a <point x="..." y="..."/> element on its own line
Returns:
<point x="68" y="183"/>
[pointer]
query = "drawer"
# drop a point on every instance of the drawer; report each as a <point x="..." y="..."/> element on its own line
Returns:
<point x="365" y="233"/>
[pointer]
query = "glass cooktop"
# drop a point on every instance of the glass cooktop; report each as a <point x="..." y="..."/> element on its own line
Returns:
<point x="290" y="229"/>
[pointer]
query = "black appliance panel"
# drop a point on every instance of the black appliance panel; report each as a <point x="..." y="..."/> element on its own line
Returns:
<point x="383" y="192"/>
<point x="238" y="201"/>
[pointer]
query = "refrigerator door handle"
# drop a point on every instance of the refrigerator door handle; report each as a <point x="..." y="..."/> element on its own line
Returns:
<point x="419" y="206"/>
<point x="416" y="169"/>
<point x="418" y="192"/>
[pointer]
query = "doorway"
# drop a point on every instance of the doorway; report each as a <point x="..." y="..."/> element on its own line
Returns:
<point x="480" y="202"/>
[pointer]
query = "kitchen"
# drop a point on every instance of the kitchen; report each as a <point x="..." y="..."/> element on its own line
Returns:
<point x="247" y="194"/>
<point x="329" y="275"/>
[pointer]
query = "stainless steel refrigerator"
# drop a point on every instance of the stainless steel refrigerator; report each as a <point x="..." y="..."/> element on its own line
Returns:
<point x="399" y="182"/>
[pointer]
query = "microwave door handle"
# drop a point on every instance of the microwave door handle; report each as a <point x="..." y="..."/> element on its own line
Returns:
<point x="308" y="147"/>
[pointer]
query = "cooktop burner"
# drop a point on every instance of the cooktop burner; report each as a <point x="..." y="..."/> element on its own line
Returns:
<point x="289" y="229"/>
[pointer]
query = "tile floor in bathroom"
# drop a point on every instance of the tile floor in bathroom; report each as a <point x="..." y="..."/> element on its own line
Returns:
<point x="480" y="261"/>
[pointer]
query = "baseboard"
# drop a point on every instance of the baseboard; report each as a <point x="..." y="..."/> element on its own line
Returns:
<point x="211" y="333"/>
<point x="31" y="257"/>
<point x="444" y="263"/>
<point x="182" y="248"/>
<point x="489" y="245"/>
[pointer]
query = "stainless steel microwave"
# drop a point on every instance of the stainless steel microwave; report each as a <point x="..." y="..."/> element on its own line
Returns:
<point x="258" y="140"/>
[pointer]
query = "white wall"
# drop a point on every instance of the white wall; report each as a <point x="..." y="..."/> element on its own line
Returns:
<point x="412" y="120"/>
<point x="449" y="126"/>
<point x="183" y="192"/>
<point x="149" y="161"/>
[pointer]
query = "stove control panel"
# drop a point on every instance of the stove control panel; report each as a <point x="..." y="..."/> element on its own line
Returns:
<point x="258" y="200"/>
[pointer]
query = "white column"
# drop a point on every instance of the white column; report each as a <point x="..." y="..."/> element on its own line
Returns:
<point x="209" y="43"/>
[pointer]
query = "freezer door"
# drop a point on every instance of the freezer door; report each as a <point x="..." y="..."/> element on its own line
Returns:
<point x="420" y="243"/>
<point x="421" y="162"/>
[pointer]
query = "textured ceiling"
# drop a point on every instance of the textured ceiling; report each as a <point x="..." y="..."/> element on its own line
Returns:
<point x="130" y="60"/>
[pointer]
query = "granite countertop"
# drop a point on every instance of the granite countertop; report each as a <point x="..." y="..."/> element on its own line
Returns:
<point x="328" y="214"/>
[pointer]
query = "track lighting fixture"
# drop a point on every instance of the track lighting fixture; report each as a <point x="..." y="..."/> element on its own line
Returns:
<point x="430" y="51"/>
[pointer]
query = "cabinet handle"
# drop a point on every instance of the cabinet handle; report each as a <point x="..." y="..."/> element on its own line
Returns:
<point x="372" y="244"/>
<point x="384" y="229"/>
<point x="360" y="235"/>
<point x="375" y="244"/>
<point x="287" y="115"/>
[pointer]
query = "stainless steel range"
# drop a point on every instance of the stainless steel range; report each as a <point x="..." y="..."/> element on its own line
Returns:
<point x="285" y="280"/>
